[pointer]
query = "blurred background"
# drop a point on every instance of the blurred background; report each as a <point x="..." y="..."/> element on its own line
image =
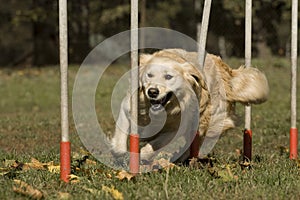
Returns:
<point x="29" y="28"/>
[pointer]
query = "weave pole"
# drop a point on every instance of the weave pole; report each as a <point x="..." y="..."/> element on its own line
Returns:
<point x="134" y="160"/>
<point x="294" y="37"/>
<point x="202" y="37"/>
<point x="203" y="32"/>
<point x="248" y="33"/>
<point x="65" y="145"/>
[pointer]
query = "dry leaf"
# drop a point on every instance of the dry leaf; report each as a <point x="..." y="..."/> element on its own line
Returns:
<point x="113" y="192"/>
<point x="74" y="179"/>
<point x="64" y="195"/>
<point x="108" y="175"/>
<point x="90" y="162"/>
<point x="165" y="163"/>
<point x="54" y="169"/>
<point x="124" y="174"/>
<point x="238" y="152"/>
<point x="27" y="190"/>
<point x="93" y="191"/>
<point x="10" y="163"/>
<point x="34" y="164"/>
<point x="193" y="163"/>
<point x="245" y="165"/>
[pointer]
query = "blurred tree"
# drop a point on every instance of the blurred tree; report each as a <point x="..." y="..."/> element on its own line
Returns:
<point x="15" y="32"/>
<point x="44" y="34"/>
<point x="79" y="30"/>
<point x="29" y="28"/>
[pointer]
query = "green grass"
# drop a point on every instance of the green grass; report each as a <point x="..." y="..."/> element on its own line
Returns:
<point x="30" y="127"/>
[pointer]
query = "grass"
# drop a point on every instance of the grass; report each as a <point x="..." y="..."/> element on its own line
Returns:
<point x="30" y="127"/>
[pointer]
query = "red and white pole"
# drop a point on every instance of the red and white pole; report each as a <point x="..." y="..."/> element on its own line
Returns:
<point x="294" y="38"/>
<point x="65" y="146"/>
<point x="202" y="36"/>
<point x="134" y="161"/>
<point x="248" y="33"/>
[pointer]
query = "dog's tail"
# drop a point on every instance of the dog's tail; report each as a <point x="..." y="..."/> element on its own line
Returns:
<point x="248" y="85"/>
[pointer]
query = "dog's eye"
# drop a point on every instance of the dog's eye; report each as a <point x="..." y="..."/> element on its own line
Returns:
<point x="150" y="75"/>
<point x="168" y="76"/>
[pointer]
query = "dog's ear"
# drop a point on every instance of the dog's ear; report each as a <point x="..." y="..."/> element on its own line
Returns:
<point x="193" y="75"/>
<point x="145" y="58"/>
<point x="195" y="79"/>
<point x="248" y="85"/>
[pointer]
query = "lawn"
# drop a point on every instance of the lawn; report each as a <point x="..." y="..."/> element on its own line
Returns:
<point x="30" y="128"/>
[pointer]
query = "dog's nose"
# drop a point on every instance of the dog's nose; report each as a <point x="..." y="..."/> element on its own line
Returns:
<point x="153" y="92"/>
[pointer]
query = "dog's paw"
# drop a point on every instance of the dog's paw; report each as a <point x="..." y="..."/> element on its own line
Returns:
<point x="147" y="152"/>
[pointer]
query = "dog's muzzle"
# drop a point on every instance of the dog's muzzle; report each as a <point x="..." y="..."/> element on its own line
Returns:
<point x="158" y="104"/>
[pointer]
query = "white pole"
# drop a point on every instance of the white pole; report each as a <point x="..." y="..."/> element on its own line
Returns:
<point x="65" y="167"/>
<point x="134" y="137"/>
<point x="134" y="64"/>
<point x="248" y="34"/>
<point x="63" y="50"/>
<point x="203" y="32"/>
<point x="294" y="41"/>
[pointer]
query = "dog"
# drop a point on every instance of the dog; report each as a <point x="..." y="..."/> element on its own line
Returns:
<point x="178" y="98"/>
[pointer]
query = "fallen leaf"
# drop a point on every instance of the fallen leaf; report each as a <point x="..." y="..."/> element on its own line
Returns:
<point x="25" y="189"/>
<point x="238" y="152"/>
<point x="162" y="163"/>
<point x="108" y="175"/>
<point x="165" y="163"/>
<point x="34" y="164"/>
<point x="113" y="192"/>
<point x="298" y="163"/>
<point x="74" y="179"/>
<point x="90" y="162"/>
<point x="54" y="169"/>
<point x="124" y="174"/>
<point x="64" y="195"/>
<point x="245" y="165"/>
<point x="92" y="191"/>
<point x="10" y="163"/>
<point x="193" y="163"/>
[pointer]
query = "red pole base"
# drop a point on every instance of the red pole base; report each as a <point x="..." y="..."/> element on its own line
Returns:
<point x="293" y="143"/>
<point x="247" y="145"/>
<point x="65" y="161"/>
<point x="194" y="149"/>
<point x="134" y="158"/>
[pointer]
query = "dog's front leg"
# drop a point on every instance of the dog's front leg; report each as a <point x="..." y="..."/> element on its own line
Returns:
<point x="119" y="140"/>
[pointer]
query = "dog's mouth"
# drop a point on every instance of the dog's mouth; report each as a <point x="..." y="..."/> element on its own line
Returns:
<point x="158" y="104"/>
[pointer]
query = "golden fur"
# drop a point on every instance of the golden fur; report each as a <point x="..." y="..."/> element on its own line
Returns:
<point x="209" y="96"/>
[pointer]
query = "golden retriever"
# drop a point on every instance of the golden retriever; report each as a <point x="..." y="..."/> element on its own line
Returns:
<point x="177" y="99"/>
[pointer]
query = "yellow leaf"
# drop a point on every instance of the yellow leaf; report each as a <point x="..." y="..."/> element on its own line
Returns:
<point x="54" y="169"/>
<point x="124" y="174"/>
<point x="113" y="192"/>
<point x="90" y="162"/>
<point x="74" y="179"/>
<point x="10" y="163"/>
<point x="25" y="189"/>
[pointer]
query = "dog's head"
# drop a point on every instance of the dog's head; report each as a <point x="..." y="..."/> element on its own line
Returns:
<point x="166" y="79"/>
